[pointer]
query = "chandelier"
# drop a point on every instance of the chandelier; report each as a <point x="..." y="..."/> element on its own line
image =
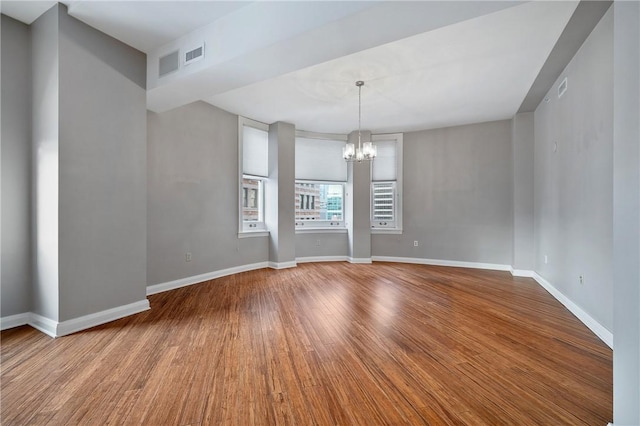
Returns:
<point x="364" y="151"/>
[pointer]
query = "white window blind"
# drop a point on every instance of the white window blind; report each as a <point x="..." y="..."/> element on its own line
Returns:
<point x="384" y="167"/>
<point x="255" y="150"/>
<point x="384" y="202"/>
<point x="320" y="159"/>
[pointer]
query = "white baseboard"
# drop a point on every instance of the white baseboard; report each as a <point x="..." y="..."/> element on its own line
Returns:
<point x="282" y="265"/>
<point x="322" y="259"/>
<point x="102" y="317"/>
<point x="359" y="259"/>
<point x="183" y="282"/>
<point x="14" y="321"/>
<point x="57" y="329"/>
<point x="44" y="324"/>
<point x="605" y="335"/>
<point x="522" y="273"/>
<point x="439" y="262"/>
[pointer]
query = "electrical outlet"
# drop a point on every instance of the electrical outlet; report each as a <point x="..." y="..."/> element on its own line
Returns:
<point x="317" y="243"/>
<point x="187" y="257"/>
<point x="415" y="243"/>
<point x="546" y="259"/>
<point x="582" y="279"/>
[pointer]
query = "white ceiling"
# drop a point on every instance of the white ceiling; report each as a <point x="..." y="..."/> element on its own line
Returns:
<point x="476" y="62"/>
<point x="473" y="71"/>
<point x="144" y="25"/>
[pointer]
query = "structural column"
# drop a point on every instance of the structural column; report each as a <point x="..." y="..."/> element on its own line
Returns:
<point x="626" y="213"/>
<point x="279" y="196"/>
<point x="89" y="175"/>
<point x="358" y="206"/>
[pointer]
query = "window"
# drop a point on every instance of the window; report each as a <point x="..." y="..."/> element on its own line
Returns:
<point x="386" y="184"/>
<point x="383" y="202"/>
<point x="320" y="174"/>
<point x="319" y="204"/>
<point x="253" y="145"/>
<point x="252" y="211"/>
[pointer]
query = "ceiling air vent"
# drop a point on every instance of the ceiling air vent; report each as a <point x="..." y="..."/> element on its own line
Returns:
<point x="194" y="54"/>
<point x="168" y="63"/>
<point x="562" y="88"/>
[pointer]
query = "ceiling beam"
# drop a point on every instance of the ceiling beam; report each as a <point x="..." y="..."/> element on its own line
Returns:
<point x="582" y="22"/>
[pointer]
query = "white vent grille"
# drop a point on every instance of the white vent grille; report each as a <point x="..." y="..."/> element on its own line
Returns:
<point x="194" y="54"/>
<point x="562" y="87"/>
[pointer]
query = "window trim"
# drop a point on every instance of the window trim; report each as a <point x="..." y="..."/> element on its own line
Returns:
<point x="397" y="226"/>
<point x="322" y="136"/>
<point x="260" y="228"/>
<point x="302" y="226"/>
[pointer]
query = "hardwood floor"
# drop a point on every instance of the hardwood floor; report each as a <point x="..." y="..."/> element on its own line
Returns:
<point x="323" y="344"/>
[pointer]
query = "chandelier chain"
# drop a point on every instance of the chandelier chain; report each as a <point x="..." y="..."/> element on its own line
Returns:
<point x="359" y="115"/>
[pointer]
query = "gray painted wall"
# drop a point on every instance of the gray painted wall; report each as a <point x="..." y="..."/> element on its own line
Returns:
<point x="523" y="140"/>
<point x="457" y="196"/>
<point x="45" y="101"/>
<point x="192" y="182"/>
<point x="15" y="250"/>
<point x="102" y="186"/>
<point x="573" y="184"/>
<point x="322" y="244"/>
<point x="626" y="214"/>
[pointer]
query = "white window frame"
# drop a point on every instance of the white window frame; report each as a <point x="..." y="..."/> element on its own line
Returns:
<point x="325" y="225"/>
<point x="395" y="226"/>
<point x="258" y="228"/>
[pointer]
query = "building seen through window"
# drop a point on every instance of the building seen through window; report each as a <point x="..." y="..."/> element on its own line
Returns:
<point x="319" y="202"/>
<point x="251" y="189"/>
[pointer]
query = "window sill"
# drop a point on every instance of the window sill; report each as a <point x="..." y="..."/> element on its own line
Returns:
<point x="391" y="231"/>
<point x="251" y="234"/>
<point x="333" y="230"/>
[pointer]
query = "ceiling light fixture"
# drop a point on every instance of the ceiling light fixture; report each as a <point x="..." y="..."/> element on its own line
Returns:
<point x="365" y="151"/>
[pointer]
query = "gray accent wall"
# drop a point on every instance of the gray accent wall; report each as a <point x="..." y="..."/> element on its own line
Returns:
<point x="626" y="214"/>
<point x="573" y="178"/>
<point x="102" y="171"/>
<point x="457" y="196"/>
<point x="192" y="176"/>
<point x="15" y="148"/>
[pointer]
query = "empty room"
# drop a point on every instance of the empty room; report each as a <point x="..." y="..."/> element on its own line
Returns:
<point x="320" y="212"/>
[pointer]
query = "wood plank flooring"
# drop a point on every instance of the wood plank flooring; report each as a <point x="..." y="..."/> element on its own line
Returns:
<point x="321" y="344"/>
